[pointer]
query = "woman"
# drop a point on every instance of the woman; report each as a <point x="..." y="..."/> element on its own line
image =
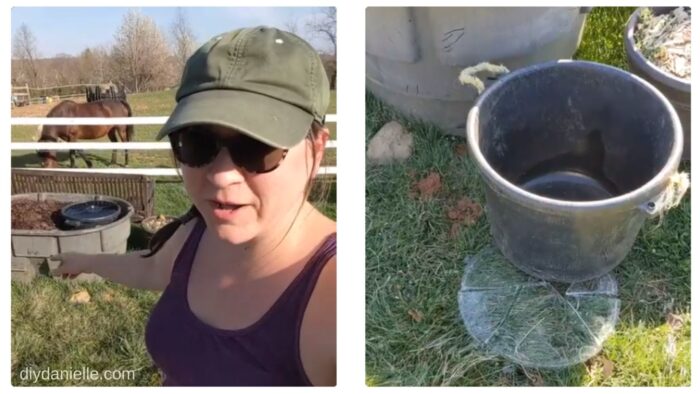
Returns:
<point x="248" y="274"/>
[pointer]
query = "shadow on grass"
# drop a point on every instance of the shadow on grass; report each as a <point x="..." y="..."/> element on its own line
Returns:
<point x="32" y="160"/>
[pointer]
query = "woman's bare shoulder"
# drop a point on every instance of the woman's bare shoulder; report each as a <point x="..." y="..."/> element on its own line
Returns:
<point x="317" y="340"/>
<point x="318" y="329"/>
<point x="165" y="257"/>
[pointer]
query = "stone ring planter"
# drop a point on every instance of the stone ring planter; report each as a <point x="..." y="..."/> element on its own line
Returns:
<point x="31" y="248"/>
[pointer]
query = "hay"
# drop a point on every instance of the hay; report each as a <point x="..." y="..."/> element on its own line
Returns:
<point x="665" y="40"/>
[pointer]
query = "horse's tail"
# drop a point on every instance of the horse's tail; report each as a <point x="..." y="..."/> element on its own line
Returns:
<point x="129" y="127"/>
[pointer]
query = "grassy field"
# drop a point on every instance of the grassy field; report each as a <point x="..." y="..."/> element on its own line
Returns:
<point x="415" y="335"/>
<point x="49" y="332"/>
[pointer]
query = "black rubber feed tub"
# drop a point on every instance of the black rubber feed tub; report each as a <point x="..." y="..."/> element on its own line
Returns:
<point x="575" y="155"/>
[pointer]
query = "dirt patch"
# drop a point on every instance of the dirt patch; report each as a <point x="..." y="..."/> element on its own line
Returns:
<point x="465" y="211"/>
<point x="427" y="187"/>
<point x="39" y="110"/>
<point x="36" y="215"/>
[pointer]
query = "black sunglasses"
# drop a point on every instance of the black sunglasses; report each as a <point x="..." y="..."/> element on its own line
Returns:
<point x="197" y="146"/>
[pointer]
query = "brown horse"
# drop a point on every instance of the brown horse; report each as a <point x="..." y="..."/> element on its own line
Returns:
<point x="71" y="133"/>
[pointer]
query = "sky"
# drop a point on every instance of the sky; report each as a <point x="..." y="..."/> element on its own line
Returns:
<point x="70" y="30"/>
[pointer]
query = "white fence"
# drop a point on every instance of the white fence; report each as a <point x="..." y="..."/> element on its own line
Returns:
<point x="146" y="120"/>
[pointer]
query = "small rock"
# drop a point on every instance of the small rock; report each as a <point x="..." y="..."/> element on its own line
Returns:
<point x="391" y="143"/>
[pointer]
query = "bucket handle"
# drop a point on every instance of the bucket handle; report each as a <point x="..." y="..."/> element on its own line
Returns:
<point x="468" y="76"/>
<point x="678" y="185"/>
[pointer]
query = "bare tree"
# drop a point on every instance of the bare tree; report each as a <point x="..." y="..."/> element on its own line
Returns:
<point x="24" y="49"/>
<point x="140" y="55"/>
<point x="62" y="70"/>
<point x="102" y="70"/>
<point x="324" y="25"/>
<point x="91" y="66"/>
<point x="184" y="41"/>
<point x="292" y="26"/>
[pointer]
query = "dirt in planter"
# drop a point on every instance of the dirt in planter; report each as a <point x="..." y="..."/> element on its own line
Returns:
<point x="36" y="215"/>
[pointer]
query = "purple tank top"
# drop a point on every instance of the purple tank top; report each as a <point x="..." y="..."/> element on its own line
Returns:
<point x="190" y="352"/>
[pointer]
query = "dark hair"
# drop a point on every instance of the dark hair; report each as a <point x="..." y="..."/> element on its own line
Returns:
<point x="161" y="236"/>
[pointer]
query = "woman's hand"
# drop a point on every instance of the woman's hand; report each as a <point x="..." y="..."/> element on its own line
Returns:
<point x="70" y="265"/>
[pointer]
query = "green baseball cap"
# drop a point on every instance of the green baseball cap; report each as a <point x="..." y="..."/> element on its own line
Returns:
<point x="261" y="81"/>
